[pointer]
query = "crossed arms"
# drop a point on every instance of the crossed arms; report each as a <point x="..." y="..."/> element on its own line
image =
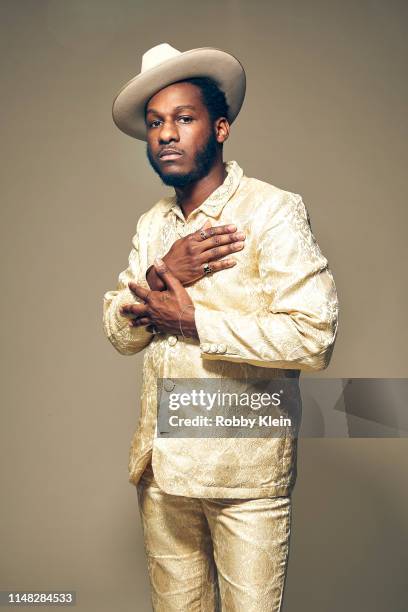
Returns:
<point x="297" y="330"/>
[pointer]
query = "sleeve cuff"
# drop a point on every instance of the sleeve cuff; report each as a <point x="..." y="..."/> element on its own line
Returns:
<point x="120" y="322"/>
<point x="211" y="342"/>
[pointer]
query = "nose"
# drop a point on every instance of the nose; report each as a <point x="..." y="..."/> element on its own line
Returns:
<point x="168" y="133"/>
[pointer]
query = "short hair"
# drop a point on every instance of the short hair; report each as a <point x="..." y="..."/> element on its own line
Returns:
<point x="213" y="97"/>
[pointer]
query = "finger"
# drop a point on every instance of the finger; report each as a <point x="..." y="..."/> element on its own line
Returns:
<point x="222" y="239"/>
<point x="139" y="291"/>
<point x="201" y="232"/>
<point x="204" y="233"/>
<point x="167" y="276"/>
<point x="133" y="310"/>
<point x="141" y="321"/>
<point x="221" y="251"/>
<point x="222" y="264"/>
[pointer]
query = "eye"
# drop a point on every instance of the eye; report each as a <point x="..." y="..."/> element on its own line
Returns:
<point x="154" y="123"/>
<point x="186" y="119"/>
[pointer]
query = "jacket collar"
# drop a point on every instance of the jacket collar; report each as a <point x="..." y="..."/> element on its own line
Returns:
<point x="216" y="201"/>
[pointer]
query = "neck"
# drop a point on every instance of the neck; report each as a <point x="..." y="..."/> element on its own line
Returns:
<point x="191" y="196"/>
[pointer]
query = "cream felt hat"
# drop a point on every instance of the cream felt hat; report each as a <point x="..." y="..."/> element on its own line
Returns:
<point x="163" y="65"/>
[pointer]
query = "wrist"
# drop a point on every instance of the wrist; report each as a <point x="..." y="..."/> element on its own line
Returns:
<point x="187" y="321"/>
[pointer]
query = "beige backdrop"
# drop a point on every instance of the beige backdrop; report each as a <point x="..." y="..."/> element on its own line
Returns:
<point x="324" y="116"/>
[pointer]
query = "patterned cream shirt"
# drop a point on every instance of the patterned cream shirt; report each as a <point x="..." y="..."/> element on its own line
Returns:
<point x="272" y="315"/>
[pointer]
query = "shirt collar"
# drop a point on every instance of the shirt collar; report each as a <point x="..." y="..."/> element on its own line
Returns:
<point x="216" y="201"/>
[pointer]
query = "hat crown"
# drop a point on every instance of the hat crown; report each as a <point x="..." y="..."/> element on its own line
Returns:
<point x="157" y="55"/>
<point x="163" y="65"/>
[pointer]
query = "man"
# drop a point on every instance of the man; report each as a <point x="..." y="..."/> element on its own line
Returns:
<point x="225" y="281"/>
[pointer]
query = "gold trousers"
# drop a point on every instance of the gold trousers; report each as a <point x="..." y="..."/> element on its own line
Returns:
<point x="212" y="554"/>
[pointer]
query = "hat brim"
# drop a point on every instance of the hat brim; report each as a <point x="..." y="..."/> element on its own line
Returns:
<point x="129" y="104"/>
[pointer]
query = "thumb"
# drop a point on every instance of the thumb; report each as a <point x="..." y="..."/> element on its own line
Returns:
<point x="207" y="224"/>
<point x="166" y="275"/>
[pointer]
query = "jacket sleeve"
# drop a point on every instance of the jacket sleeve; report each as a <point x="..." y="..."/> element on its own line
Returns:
<point x="296" y="327"/>
<point x="126" y="340"/>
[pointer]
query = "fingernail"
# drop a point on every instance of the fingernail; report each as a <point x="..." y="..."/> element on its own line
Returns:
<point x="232" y="228"/>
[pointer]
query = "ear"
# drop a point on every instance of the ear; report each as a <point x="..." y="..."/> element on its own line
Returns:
<point x="222" y="129"/>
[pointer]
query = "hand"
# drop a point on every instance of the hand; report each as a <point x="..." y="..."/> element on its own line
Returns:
<point x="170" y="311"/>
<point x="187" y="255"/>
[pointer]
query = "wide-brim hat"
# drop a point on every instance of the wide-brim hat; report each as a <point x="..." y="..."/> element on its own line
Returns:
<point x="163" y="65"/>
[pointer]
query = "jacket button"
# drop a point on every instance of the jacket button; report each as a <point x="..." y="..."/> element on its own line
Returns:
<point x="222" y="348"/>
<point x="172" y="340"/>
<point x="168" y="384"/>
<point x="213" y="348"/>
<point x="205" y="347"/>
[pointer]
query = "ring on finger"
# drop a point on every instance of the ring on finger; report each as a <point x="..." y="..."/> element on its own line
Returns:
<point x="207" y="268"/>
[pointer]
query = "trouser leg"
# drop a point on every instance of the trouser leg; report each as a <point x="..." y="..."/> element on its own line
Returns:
<point x="251" y="546"/>
<point x="179" y="550"/>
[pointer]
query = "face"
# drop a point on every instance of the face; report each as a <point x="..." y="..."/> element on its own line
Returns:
<point x="177" y="120"/>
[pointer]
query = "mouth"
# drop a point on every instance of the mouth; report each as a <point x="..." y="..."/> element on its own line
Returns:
<point x="168" y="155"/>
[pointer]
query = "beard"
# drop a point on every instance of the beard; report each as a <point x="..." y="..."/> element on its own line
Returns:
<point x="203" y="162"/>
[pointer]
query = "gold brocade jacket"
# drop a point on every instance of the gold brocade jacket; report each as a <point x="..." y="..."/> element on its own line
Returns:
<point x="274" y="314"/>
